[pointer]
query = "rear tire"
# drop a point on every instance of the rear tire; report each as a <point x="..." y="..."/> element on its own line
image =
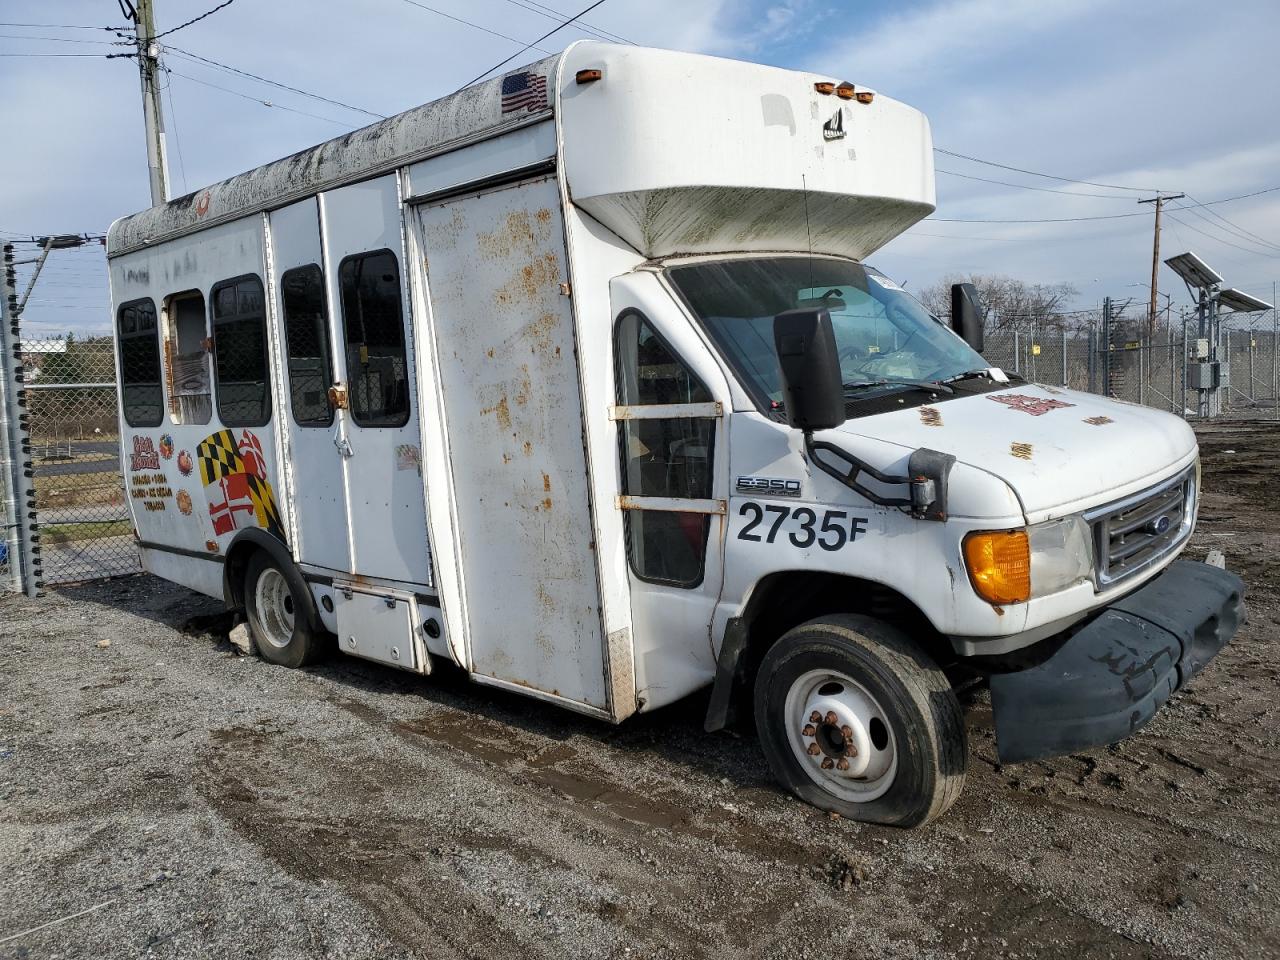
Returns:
<point x="854" y="719"/>
<point x="280" y="614"/>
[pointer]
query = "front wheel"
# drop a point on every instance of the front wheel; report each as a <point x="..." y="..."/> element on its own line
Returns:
<point x="278" y="609"/>
<point x="854" y="719"/>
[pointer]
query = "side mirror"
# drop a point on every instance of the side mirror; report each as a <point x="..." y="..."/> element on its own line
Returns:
<point x="812" y="391"/>
<point x="966" y="314"/>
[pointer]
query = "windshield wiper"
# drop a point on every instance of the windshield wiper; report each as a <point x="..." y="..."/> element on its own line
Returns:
<point x="985" y="373"/>
<point x="931" y="385"/>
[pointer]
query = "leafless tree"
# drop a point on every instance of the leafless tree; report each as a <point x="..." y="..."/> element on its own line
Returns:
<point x="1011" y="304"/>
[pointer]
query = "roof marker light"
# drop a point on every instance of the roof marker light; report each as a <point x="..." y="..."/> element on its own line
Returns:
<point x="865" y="96"/>
<point x="825" y="87"/>
<point x="845" y="91"/>
<point x="589" y="76"/>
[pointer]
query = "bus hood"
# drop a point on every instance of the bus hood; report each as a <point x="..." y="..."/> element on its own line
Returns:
<point x="1059" y="450"/>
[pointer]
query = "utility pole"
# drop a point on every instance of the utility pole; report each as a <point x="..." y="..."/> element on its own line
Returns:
<point x="1158" y="200"/>
<point x="149" y="68"/>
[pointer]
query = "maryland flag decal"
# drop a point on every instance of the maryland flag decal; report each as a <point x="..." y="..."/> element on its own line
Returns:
<point x="234" y="475"/>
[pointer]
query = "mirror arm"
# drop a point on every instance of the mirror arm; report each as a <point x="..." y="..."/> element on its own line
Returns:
<point x="928" y="471"/>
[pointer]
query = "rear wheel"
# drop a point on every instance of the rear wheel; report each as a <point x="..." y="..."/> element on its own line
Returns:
<point x="279" y="614"/>
<point x="854" y="719"/>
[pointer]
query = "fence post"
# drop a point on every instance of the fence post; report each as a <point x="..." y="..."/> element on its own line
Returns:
<point x="23" y="492"/>
<point x="1017" y="354"/>
<point x="8" y="483"/>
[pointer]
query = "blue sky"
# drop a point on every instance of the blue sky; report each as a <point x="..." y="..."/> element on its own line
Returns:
<point x="1173" y="95"/>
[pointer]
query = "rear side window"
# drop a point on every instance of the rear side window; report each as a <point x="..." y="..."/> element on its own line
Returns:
<point x="240" y="352"/>
<point x="306" y="332"/>
<point x="141" y="393"/>
<point x="373" y="327"/>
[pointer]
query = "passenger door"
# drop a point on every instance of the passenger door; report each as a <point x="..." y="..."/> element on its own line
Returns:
<point x="674" y="476"/>
<point x="376" y="433"/>
<point x="313" y="468"/>
<point x="502" y="341"/>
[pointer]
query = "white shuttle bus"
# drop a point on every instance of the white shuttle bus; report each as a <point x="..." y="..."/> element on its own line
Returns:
<point x="578" y="379"/>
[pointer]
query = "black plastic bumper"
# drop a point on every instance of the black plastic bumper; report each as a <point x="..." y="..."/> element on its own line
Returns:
<point x="1112" y="676"/>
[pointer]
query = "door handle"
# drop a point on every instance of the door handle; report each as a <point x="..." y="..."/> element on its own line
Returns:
<point x="338" y="399"/>
<point x="340" y="437"/>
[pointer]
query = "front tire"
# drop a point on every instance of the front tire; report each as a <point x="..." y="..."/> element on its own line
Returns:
<point x="280" y="614"/>
<point x="855" y="720"/>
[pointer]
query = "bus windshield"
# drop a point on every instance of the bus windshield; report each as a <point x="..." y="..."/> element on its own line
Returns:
<point x="883" y="336"/>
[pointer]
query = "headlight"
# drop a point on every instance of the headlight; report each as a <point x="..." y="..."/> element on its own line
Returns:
<point x="1012" y="566"/>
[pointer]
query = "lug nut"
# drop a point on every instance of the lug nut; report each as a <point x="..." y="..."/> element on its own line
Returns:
<point x="810" y="730"/>
<point x="814" y="750"/>
<point x="827" y="763"/>
<point x="842" y="764"/>
<point x="847" y="732"/>
<point x="850" y="748"/>
<point x="831" y="718"/>
<point x="815" y="717"/>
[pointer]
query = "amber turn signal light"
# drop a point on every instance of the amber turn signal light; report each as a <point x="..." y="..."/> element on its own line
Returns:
<point x="825" y="87"/>
<point x="999" y="565"/>
<point x="588" y="76"/>
<point x="845" y="91"/>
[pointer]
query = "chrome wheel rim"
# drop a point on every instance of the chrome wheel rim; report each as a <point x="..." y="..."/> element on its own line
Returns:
<point x="841" y="736"/>
<point x="274" y="602"/>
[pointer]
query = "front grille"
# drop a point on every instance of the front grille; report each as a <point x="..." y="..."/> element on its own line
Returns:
<point x="1134" y="533"/>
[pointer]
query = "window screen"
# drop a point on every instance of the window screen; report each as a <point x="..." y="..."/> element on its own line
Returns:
<point x="663" y="458"/>
<point x="240" y="352"/>
<point x="306" y="331"/>
<point x="373" y="326"/>
<point x="141" y="393"/>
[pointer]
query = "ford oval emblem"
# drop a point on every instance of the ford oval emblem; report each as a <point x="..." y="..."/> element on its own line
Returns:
<point x="1159" y="525"/>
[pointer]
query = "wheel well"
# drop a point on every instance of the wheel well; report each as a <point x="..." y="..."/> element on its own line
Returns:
<point x="233" y="572"/>
<point x="783" y="600"/>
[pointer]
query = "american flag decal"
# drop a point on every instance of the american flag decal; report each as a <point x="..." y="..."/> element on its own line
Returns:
<point x="524" y="91"/>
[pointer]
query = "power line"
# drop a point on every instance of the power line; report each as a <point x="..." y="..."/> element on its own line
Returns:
<point x="542" y="10"/>
<point x="498" y="66"/>
<point x="1236" y="228"/>
<point x="1112" y="216"/>
<point x="1024" y="186"/>
<point x="265" y="103"/>
<point x="28" y="36"/>
<point x="449" y="16"/>
<point x="1230" y="229"/>
<point x="273" y="83"/>
<point x="173" y="116"/>
<point x="108" y="56"/>
<point x="1047" y="176"/>
<point x="1192" y="226"/>
<point x="57" y="26"/>
<point x="207" y="13"/>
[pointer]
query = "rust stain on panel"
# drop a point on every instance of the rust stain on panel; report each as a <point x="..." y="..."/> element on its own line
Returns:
<point x="546" y="483"/>
<point x="1098" y="421"/>
<point x="931" y="416"/>
<point x="1020" y="450"/>
<point x="501" y="411"/>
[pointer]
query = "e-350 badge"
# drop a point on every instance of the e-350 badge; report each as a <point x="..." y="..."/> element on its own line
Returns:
<point x="768" y="487"/>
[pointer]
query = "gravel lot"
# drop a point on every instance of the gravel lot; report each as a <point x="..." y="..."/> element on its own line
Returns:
<point x="198" y="803"/>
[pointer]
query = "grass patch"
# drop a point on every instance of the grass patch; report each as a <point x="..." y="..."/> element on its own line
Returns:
<point x="89" y="530"/>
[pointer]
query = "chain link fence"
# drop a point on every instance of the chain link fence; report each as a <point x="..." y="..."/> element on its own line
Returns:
<point x="1149" y="370"/>
<point x="70" y="387"/>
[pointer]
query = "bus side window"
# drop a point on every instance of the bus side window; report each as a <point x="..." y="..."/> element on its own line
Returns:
<point x="373" y="327"/>
<point x="240" y="352"/>
<point x="306" y="333"/>
<point x="138" y="336"/>
<point x="186" y="354"/>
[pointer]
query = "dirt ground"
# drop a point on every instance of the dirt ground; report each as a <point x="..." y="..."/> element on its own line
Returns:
<point x="184" y="801"/>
